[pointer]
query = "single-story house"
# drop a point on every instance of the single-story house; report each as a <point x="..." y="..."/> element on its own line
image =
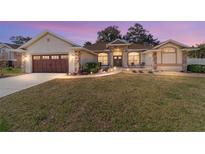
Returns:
<point x="9" y="56"/>
<point x="50" y="53"/>
<point x="169" y="55"/>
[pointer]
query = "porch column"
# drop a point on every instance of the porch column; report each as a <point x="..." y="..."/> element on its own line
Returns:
<point x="71" y="61"/>
<point x="154" y="54"/>
<point x="77" y="61"/>
<point x="184" y="61"/>
<point x="110" y="58"/>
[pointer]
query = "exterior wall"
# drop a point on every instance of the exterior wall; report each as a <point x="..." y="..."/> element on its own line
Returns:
<point x="17" y="59"/>
<point x="87" y="57"/>
<point x="169" y="68"/>
<point x="177" y="66"/>
<point x="147" y="59"/>
<point x="27" y="63"/>
<point x="71" y="61"/>
<point x="4" y="53"/>
<point x="49" y="43"/>
<point x="200" y="61"/>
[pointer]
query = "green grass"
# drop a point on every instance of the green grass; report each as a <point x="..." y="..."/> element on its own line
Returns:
<point x="9" y="71"/>
<point x="122" y="102"/>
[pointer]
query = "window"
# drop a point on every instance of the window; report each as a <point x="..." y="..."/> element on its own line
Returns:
<point x="133" y="58"/>
<point x="64" y="56"/>
<point x="45" y="57"/>
<point x="11" y="55"/>
<point x="103" y="58"/>
<point x="36" y="57"/>
<point x="117" y="53"/>
<point x="169" y="55"/>
<point x="54" y="57"/>
<point x="169" y="50"/>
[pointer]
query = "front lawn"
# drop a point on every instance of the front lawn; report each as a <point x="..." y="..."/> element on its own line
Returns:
<point x="122" y="102"/>
<point x="9" y="71"/>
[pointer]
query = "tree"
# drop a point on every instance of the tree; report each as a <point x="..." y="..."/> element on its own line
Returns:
<point x="198" y="51"/>
<point x="109" y="34"/>
<point x="19" y="40"/>
<point x="88" y="43"/>
<point x="137" y="34"/>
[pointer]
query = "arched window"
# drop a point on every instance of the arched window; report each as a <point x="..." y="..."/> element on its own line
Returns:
<point x="133" y="58"/>
<point x="103" y="58"/>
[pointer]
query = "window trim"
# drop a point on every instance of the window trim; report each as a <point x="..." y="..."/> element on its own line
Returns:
<point x="139" y="58"/>
<point x="103" y="56"/>
<point x="164" y="52"/>
<point x="55" y="58"/>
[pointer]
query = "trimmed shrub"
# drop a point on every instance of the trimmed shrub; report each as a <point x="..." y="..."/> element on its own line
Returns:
<point x="196" y="68"/>
<point x="91" y="67"/>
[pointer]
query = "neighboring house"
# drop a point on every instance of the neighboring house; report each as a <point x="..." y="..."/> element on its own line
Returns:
<point x="49" y="52"/>
<point x="7" y="53"/>
<point x="169" y="55"/>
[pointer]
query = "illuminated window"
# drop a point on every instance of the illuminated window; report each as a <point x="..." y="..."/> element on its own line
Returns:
<point x="36" y="57"/>
<point x="64" y="56"/>
<point x="54" y="57"/>
<point x="117" y="53"/>
<point x="169" y="50"/>
<point x="169" y="55"/>
<point x="103" y="58"/>
<point x="45" y="57"/>
<point x="133" y="58"/>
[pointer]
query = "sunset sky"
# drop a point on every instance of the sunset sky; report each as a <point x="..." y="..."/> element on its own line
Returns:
<point x="189" y="33"/>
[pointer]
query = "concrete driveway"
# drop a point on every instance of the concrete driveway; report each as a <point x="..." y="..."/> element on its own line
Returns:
<point x="13" y="84"/>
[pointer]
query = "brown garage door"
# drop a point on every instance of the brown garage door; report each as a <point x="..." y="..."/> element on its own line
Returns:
<point x="50" y="63"/>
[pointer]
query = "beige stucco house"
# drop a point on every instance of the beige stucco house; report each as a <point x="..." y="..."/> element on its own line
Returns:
<point x="51" y="53"/>
<point x="169" y="55"/>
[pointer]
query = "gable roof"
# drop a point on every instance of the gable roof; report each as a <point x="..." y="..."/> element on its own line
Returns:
<point x="103" y="46"/>
<point x="118" y="41"/>
<point x="41" y="35"/>
<point x="171" y="41"/>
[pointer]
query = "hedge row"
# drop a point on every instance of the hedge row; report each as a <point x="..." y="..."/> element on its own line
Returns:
<point x="196" y="68"/>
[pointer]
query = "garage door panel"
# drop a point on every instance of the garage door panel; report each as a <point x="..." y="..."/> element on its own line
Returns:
<point x="50" y="65"/>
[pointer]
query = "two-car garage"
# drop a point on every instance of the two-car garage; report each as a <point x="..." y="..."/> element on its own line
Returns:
<point x="50" y="53"/>
<point x="50" y="63"/>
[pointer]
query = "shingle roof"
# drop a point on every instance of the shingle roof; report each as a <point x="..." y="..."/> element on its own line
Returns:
<point x="102" y="46"/>
<point x="140" y="46"/>
<point x="13" y="46"/>
<point x="96" y="46"/>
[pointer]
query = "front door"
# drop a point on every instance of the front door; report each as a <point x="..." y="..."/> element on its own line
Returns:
<point x="117" y="61"/>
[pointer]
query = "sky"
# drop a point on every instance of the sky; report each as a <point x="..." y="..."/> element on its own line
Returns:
<point x="187" y="32"/>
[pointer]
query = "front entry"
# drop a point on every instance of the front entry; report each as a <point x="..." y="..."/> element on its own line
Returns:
<point x="117" y="61"/>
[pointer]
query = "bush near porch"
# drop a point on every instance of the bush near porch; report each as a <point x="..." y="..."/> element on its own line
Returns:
<point x="91" y="67"/>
